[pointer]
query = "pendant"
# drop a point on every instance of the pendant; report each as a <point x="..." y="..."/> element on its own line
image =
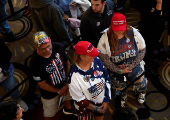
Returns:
<point x="85" y="79"/>
<point x="92" y="79"/>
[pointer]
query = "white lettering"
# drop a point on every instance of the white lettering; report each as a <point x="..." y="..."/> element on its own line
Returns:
<point x="127" y="53"/>
<point x="133" y="53"/>
<point x="117" y="59"/>
<point x="109" y="13"/>
<point x="123" y="56"/>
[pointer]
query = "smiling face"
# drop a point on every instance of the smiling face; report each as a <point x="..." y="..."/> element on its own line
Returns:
<point x="97" y="6"/>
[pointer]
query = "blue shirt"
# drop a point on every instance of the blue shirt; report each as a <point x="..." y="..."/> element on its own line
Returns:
<point x="64" y="4"/>
<point x="127" y="50"/>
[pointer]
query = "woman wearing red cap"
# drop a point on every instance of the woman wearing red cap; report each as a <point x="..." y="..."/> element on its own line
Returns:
<point x="122" y="52"/>
<point x="89" y="82"/>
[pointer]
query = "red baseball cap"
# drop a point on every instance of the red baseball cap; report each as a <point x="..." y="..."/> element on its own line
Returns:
<point x="118" y="22"/>
<point x="86" y="48"/>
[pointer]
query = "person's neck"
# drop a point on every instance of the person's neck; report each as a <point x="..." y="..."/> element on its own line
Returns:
<point x="120" y="36"/>
<point x="102" y="9"/>
<point x="84" y="65"/>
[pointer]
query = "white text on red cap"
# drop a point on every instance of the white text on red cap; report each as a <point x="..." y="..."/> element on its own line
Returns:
<point x="118" y="22"/>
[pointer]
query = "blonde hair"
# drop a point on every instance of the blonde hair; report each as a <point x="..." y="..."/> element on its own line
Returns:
<point x="113" y="38"/>
<point x="76" y="58"/>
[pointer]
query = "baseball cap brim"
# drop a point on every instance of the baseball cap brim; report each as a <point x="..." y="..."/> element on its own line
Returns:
<point x="119" y="28"/>
<point x="86" y="48"/>
<point x="94" y="53"/>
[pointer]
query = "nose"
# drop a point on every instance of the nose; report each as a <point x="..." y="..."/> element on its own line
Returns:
<point x="47" y="49"/>
<point x="22" y="109"/>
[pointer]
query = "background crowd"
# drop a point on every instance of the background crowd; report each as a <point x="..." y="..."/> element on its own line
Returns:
<point x="109" y="55"/>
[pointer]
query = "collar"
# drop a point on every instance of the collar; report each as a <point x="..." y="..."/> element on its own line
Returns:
<point x="102" y="9"/>
<point x="100" y="14"/>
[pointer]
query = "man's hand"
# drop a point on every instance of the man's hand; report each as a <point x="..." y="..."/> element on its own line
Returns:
<point x="0" y="69"/>
<point x="66" y="18"/>
<point x="73" y="4"/>
<point x="63" y="91"/>
<point x="103" y="108"/>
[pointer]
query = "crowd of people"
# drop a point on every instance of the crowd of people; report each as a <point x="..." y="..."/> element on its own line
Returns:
<point x="109" y="56"/>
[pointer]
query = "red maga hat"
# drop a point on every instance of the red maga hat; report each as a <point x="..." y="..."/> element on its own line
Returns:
<point x="86" y="48"/>
<point x="118" y="22"/>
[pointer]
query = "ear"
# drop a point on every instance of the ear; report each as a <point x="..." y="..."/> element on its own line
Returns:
<point x="81" y="57"/>
<point x="104" y="3"/>
<point x="35" y="46"/>
<point x="50" y="39"/>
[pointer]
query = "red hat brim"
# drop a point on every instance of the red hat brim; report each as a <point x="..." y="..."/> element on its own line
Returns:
<point x="94" y="52"/>
<point x="119" y="28"/>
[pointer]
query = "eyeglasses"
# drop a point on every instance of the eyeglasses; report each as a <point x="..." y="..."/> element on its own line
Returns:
<point x="42" y="49"/>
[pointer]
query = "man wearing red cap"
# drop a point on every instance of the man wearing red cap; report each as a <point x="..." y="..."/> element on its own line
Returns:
<point x="89" y="82"/>
<point x="50" y="67"/>
<point x="96" y="19"/>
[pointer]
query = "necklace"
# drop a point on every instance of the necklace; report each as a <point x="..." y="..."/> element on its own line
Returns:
<point x="85" y="78"/>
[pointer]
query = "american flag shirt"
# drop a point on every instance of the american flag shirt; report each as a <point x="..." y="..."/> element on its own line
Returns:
<point x="96" y="89"/>
<point x="51" y="69"/>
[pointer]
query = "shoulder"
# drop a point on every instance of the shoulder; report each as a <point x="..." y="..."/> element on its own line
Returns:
<point x="139" y="39"/>
<point x="130" y="32"/>
<point x="58" y="46"/>
<point x="56" y="9"/>
<point x="98" y="64"/>
<point x="110" y="4"/>
<point x="73" y="69"/>
<point x="87" y="14"/>
<point x="97" y="61"/>
<point x="104" y="37"/>
<point x="135" y="30"/>
<point x="54" y="6"/>
<point x="35" y="59"/>
<point x="103" y="43"/>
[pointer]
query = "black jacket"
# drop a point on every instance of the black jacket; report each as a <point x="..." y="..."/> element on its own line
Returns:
<point x="92" y="24"/>
<point x="6" y="56"/>
<point x="49" y="17"/>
